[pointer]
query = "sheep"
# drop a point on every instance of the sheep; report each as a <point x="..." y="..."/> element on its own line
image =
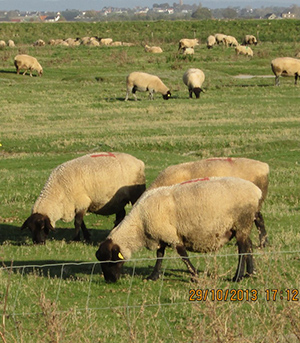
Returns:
<point x="193" y="78"/>
<point x="285" y="66"/>
<point x="187" y="43"/>
<point x="230" y="41"/>
<point x="199" y="215"/>
<point x="11" y="43"/>
<point x="28" y="63"/>
<point x="188" y="51"/>
<point x="153" y="49"/>
<point x="2" y="44"/>
<point x="143" y="82"/>
<point x="220" y="38"/>
<point x="210" y="42"/>
<point x="101" y="183"/>
<point x="39" y="42"/>
<point x="105" y="41"/>
<point x="244" y="50"/>
<point x="249" y="40"/>
<point x="244" y="168"/>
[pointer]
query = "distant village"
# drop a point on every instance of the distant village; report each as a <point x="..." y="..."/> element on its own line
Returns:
<point x="157" y="12"/>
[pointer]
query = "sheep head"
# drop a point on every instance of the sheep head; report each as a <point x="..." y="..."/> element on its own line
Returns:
<point x="40" y="226"/>
<point x="110" y="254"/>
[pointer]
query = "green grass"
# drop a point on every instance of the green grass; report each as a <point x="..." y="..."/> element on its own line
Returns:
<point x="76" y="108"/>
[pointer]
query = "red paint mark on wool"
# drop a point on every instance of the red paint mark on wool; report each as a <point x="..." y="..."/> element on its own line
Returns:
<point x="106" y="154"/>
<point x="196" y="180"/>
<point x="228" y="159"/>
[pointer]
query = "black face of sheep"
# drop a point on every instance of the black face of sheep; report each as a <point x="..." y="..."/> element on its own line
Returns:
<point x="113" y="260"/>
<point x="167" y="96"/>
<point x="40" y="226"/>
<point x="197" y="91"/>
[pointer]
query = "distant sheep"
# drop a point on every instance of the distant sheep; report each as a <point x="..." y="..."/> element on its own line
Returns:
<point x="244" y="50"/>
<point x="2" y="44"/>
<point x="188" y="51"/>
<point x="285" y="66"/>
<point x="143" y="82"/>
<point x="193" y="78"/>
<point x="187" y="43"/>
<point x="28" y="63"/>
<point x="153" y="49"/>
<point x="197" y="215"/>
<point x="101" y="183"/>
<point x="250" y="40"/>
<point x="11" y="43"/>
<point x="105" y="41"/>
<point x="245" y="168"/>
<point x="210" y="42"/>
<point x="220" y="38"/>
<point x="230" y="41"/>
<point x="39" y="42"/>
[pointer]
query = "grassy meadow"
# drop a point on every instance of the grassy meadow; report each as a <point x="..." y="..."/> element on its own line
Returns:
<point x="56" y="292"/>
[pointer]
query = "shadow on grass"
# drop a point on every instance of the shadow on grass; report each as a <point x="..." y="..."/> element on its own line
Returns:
<point x="16" y="237"/>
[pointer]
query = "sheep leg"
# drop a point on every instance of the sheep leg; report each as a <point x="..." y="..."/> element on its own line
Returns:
<point x="79" y="224"/>
<point x="119" y="217"/>
<point x="159" y="254"/>
<point x="296" y="76"/>
<point x="185" y="258"/>
<point x="191" y="93"/>
<point x="245" y="258"/>
<point x="259" y="222"/>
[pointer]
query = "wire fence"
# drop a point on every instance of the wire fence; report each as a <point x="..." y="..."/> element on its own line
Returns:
<point x="81" y="289"/>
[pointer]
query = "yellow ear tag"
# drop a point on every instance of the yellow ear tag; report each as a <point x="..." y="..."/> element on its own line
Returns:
<point x="120" y="256"/>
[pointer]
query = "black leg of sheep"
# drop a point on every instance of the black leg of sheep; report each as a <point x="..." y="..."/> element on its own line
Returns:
<point x="245" y="258"/>
<point x="156" y="271"/>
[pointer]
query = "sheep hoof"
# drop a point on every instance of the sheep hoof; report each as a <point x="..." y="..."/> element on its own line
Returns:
<point x="153" y="277"/>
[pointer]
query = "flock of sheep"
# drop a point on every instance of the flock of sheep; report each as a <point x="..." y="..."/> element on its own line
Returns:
<point x="196" y="206"/>
<point x="143" y="82"/>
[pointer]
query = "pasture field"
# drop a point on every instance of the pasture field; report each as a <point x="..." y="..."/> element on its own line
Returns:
<point x="56" y="292"/>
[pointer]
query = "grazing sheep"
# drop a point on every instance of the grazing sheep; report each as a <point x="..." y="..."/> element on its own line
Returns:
<point x="39" y="42"/>
<point x="101" y="183"/>
<point x="285" y="66"/>
<point x="153" y="49"/>
<point x="252" y="170"/>
<point x="28" y="63"/>
<point x="2" y="44"/>
<point x="187" y="43"/>
<point x="210" y="42"/>
<point x="105" y="41"/>
<point x="249" y="40"/>
<point x="193" y="78"/>
<point x="128" y="44"/>
<point x="11" y="43"/>
<point x="220" y="38"/>
<point x="230" y="41"/>
<point x="244" y="50"/>
<point x="143" y="82"/>
<point x="199" y="215"/>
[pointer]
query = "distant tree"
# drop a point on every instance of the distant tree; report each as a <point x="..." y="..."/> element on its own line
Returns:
<point x="202" y="13"/>
<point x="229" y="13"/>
<point x="70" y="14"/>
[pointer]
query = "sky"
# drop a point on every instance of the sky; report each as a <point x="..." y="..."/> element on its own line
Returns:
<point x="61" y="5"/>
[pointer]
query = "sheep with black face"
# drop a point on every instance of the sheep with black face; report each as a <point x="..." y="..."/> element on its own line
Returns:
<point x="143" y="82"/>
<point x="101" y="183"/>
<point x="198" y="215"/>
